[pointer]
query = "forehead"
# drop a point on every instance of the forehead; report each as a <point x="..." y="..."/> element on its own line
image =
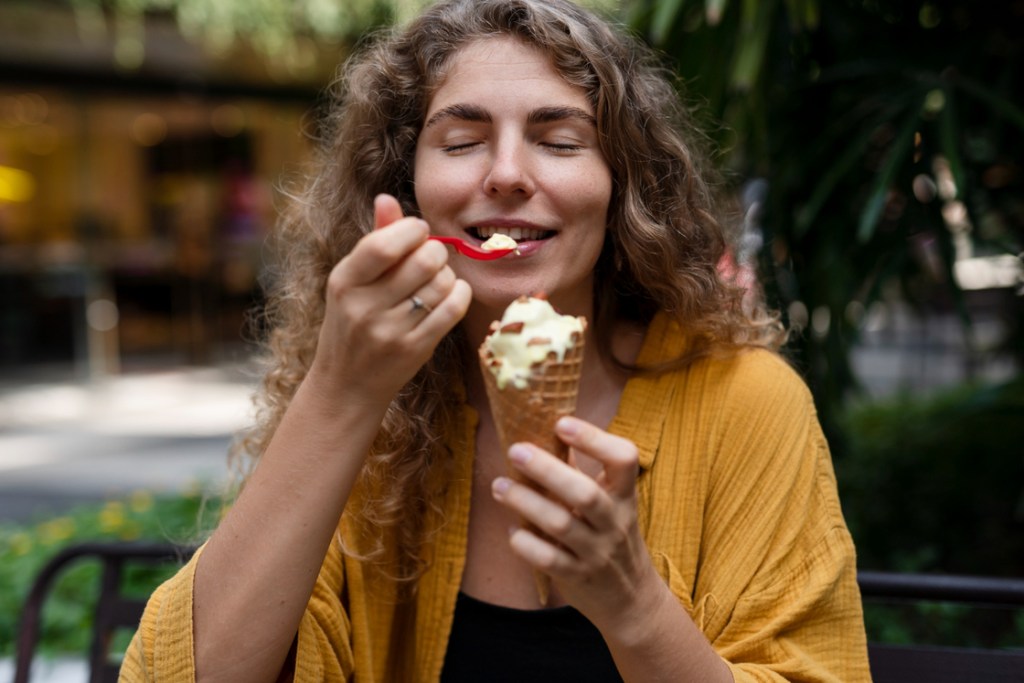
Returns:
<point x="506" y="69"/>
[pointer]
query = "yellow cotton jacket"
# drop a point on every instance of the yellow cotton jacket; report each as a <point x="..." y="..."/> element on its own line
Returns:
<point x="737" y="503"/>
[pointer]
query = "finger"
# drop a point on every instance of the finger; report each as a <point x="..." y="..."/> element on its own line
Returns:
<point x="540" y="553"/>
<point x="380" y="251"/>
<point x="445" y="315"/>
<point x="551" y="518"/>
<point x="574" y="489"/>
<point x="420" y="302"/>
<point x="430" y="294"/>
<point x="386" y="210"/>
<point x="620" y="456"/>
<point x="423" y="272"/>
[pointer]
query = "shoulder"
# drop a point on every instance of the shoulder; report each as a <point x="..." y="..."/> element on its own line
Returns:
<point x="747" y="385"/>
<point x="754" y="418"/>
<point x="753" y="376"/>
<point x="759" y="375"/>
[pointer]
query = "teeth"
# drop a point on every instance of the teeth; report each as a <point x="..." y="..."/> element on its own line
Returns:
<point x="518" y="234"/>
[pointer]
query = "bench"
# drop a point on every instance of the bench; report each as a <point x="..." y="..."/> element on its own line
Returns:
<point x="114" y="609"/>
<point x="889" y="663"/>
<point x="935" y="664"/>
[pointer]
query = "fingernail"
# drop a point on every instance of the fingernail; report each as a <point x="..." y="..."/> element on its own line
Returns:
<point x="501" y="486"/>
<point x="568" y="426"/>
<point x="520" y="454"/>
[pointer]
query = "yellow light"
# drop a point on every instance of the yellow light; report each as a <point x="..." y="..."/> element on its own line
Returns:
<point x="16" y="185"/>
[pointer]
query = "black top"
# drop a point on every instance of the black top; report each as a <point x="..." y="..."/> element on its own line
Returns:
<point x="493" y="643"/>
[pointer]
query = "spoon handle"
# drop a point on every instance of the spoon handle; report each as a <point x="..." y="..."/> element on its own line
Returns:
<point x="471" y="251"/>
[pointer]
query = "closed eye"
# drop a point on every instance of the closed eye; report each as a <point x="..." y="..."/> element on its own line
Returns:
<point x="563" y="147"/>
<point x="460" y="147"/>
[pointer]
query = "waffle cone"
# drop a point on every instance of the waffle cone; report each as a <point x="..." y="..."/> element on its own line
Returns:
<point x="530" y="414"/>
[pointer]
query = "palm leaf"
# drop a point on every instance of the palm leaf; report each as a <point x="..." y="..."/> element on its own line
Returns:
<point x="755" y="24"/>
<point x="823" y="190"/>
<point x="948" y="139"/>
<point x="664" y="18"/>
<point x="897" y="156"/>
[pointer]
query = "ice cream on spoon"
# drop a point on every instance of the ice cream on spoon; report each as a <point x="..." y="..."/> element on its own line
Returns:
<point x="499" y="241"/>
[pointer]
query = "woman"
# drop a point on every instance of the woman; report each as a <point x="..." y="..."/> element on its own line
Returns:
<point x="698" y="536"/>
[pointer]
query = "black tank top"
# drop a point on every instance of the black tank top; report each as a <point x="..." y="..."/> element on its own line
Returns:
<point x="493" y="643"/>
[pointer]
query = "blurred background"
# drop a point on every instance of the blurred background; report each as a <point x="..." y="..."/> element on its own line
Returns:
<point x="873" y="153"/>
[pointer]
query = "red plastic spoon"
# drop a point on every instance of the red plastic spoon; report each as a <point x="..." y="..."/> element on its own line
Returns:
<point x="464" y="247"/>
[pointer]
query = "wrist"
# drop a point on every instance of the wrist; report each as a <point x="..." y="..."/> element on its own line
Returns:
<point x="331" y="395"/>
<point x="649" y="605"/>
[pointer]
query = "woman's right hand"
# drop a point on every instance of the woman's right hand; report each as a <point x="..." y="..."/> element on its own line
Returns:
<point x="254" y="579"/>
<point x="374" y="338"/>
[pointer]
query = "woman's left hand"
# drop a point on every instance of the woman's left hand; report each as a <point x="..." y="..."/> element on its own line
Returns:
<point x="591" y="545"/>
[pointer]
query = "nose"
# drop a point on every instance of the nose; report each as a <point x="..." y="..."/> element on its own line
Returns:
<point x="510" y="171"/>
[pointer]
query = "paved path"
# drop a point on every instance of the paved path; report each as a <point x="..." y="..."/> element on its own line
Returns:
<point x="62" y="670"/>
<point x="64" y="443"/>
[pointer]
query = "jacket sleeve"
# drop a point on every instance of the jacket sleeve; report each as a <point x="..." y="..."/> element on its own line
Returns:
<point x="162" y="650"/>
<point x="777" y="592"/>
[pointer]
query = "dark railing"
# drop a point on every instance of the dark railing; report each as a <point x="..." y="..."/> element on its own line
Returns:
<point x="976" y="590"/>
<point x="911" y="663"/>
<point x="889" y="663"/>
<point x="114" y="610"/>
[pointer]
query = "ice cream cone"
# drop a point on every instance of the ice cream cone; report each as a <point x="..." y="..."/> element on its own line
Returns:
<point x="529" y="413"/>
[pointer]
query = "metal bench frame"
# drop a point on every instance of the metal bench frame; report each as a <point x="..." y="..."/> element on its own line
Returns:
<point x="889" y="663"/>
<point x="114" y="610"/>
<point x="906" y="663"/>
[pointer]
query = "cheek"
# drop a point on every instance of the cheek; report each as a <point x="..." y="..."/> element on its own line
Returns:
<point x="438" y="186"/>
<point x="420" y="174"/>
<point x="592" y="192"/>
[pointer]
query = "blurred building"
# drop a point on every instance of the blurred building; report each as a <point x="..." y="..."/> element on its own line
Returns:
<point x="137" y="185"/>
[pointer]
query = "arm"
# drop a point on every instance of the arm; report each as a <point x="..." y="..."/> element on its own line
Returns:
<point x="257" y="572"/>
<point x="600" y="563"/>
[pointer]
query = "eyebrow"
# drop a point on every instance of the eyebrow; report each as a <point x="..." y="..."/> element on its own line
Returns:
<point x="463" y="112"/>
<point x="477" y="114"/>
<point x="552" y="114"/>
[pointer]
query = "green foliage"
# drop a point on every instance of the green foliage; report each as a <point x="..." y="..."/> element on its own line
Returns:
<point x="943" y="624"/>
<point x="24" y="549"/>
<point x="276" y="28"/>
<point x="876" y="124"/>
<point x="937" y="485"/>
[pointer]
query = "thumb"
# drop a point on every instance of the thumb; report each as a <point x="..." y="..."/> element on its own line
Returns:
<point x="386" y="210"/>
<point x="619" y="456"/>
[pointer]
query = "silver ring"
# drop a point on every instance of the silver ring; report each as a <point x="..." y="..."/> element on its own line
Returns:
<point x="419" y="305"/>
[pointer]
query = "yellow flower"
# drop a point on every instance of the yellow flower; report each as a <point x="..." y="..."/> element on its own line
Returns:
<point x="21" y="544"/>
<point x="112" y="516"/>
<point x="56" y="530"/>
<point x="141" y="501"/>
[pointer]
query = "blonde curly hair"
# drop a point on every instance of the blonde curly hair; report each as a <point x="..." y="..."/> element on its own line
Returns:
<point x="662" y="249"/>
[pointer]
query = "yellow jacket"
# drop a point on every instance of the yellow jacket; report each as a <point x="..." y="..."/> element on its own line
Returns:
<point x="737" y="504"/>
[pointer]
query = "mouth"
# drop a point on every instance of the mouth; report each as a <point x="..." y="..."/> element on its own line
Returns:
<point x="483" y="233"/>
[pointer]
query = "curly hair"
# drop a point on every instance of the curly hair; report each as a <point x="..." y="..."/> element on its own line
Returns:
<point x="663" y="244"/>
